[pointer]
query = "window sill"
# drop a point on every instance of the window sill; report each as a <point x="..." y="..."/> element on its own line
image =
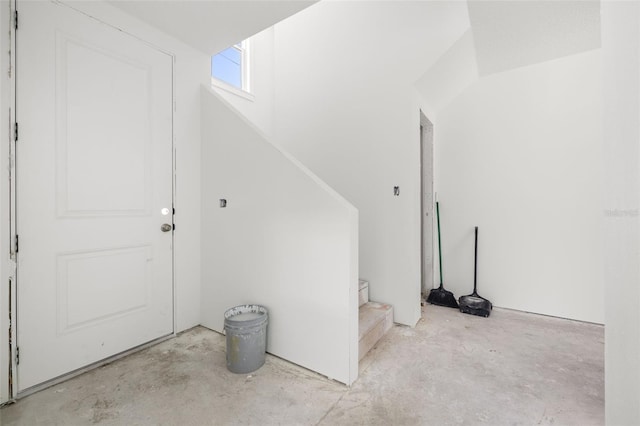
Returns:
<point x="219" y="84"/>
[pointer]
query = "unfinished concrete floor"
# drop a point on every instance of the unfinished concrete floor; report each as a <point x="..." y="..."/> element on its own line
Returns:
<point x="509" y="369"/>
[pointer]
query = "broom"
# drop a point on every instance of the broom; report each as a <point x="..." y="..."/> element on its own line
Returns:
<point x="439" y="296"/>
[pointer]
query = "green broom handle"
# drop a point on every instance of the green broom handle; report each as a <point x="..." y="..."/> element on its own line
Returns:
<point x="439" y="245"/>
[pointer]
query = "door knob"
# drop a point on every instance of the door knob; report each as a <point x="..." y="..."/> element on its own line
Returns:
<point x="166" y="227"/>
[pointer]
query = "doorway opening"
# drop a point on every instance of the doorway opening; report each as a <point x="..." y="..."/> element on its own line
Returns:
<point x="426" y="203"/>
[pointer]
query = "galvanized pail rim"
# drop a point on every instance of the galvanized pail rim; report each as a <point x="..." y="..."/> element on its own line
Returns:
<point x="234" y="317"/>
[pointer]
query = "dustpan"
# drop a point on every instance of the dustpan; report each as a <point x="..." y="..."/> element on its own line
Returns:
<point x="473" y="303"/>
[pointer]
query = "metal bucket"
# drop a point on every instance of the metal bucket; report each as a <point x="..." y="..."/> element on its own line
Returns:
<point x="246" y="330"/>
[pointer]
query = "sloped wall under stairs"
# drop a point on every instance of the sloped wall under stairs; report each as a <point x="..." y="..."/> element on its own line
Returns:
<point x="285" y="240"/>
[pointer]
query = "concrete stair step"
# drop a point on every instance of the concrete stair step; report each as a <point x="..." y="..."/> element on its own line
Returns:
<point x="363" y="292"/>
<point x="375" y="319"/>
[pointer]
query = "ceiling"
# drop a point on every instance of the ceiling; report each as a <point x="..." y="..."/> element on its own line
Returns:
<point x="211" y="25"/>
<point x="501" y="35"/>
<point x="505" y="35"/>
<point x="512" y="34"/>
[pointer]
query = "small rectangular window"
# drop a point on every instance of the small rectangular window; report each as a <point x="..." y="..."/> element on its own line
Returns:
<point x="231" y="66"/>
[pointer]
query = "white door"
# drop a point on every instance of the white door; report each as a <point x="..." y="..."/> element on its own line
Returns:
<point x="94" y="186"/>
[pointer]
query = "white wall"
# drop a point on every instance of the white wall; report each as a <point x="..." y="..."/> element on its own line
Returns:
<point x="518" y="154"/>
<point x="456" y="70"/>
<point x="258" y="107"/>
<point x="285" y="241"/>
<point x="621" y="160"/>
<point x="345" y="107"/>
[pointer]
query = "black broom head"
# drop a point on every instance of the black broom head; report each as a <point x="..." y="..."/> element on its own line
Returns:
<point x="441" y="297"/>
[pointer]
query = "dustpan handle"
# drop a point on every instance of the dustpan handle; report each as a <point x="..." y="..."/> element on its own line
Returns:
<point x="439" y="245"/>
<point x="475" y="263"/>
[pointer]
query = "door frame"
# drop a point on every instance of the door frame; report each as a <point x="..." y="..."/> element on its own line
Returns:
<point x="8" y="387"/>
<point x="424" y="124"/>
<point x="9" y="344"/>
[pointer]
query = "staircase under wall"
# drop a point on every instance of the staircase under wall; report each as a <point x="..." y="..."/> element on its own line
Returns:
<point x="375" y="319"/>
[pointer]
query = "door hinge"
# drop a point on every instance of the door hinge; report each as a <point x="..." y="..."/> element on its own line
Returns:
<point x="15" y="129"/>
<point x="17" y="244"/>
<point x="17" y="355"/>
<point x="174" y="226"/>
<point x="15" y="19"/>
